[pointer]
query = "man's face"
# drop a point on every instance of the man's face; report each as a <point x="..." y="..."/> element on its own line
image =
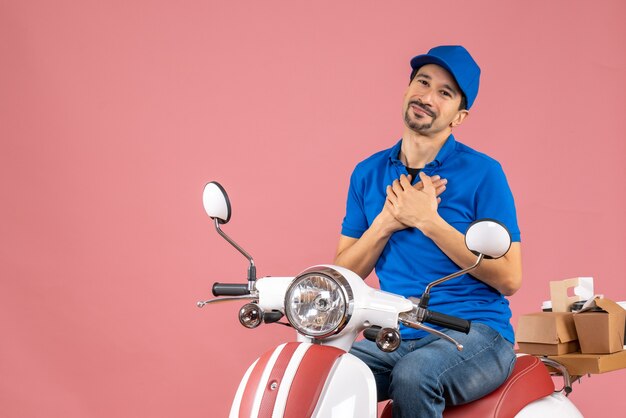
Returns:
<point x="432" y="100"/>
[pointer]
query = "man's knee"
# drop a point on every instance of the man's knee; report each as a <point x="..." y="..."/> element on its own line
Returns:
<point x="413" y="378"/>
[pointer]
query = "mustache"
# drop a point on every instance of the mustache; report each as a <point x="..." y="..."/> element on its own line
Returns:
<point x="423" y="107"/>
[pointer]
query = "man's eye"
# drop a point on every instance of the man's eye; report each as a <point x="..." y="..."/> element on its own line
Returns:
<point x="423" y="82"/>
<point x="445" y="93"/>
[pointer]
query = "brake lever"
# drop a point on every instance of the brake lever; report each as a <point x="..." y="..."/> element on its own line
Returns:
<point x="405" y="319"/>
<point x="252" y="296"/>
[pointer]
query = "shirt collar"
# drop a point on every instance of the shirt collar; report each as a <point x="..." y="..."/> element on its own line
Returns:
<point x="442" y="155"/>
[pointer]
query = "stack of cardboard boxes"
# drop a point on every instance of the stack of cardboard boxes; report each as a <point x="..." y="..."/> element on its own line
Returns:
<point x="590" y="340"/>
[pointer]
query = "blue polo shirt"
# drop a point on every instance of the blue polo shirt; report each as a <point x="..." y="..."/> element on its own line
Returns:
<point x="477" y="188"/>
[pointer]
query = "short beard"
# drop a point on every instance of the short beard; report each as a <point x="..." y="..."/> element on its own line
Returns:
<point x="414" y="125"/>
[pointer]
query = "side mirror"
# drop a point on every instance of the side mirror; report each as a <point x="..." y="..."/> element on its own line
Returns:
<point x="486" y="238"/>
<point x="217" y="206"/>
<point x="216" y="203"/>
<point x="489" y="238"/>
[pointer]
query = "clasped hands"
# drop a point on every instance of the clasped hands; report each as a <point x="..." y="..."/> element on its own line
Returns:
<point x="409" y="205"/>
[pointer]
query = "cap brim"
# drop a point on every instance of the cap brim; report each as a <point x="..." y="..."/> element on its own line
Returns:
<point x="424" y="59"/>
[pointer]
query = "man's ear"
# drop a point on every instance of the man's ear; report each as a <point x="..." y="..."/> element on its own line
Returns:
<point x="460" y="117"/>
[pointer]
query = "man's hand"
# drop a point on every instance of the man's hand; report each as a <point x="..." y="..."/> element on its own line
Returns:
<point x="361" y="254"/>
<point x="438" y="183"/>
<point x="387" y="221"/>
<point x="414" y="206"/>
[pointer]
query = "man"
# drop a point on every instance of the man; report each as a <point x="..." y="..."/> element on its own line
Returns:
<point x="407" y="210"/>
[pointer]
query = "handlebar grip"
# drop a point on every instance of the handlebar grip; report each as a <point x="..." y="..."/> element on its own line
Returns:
<point x="371" y="333"/>
<point x="230" y="289"/>
<point x="447" y="321"/>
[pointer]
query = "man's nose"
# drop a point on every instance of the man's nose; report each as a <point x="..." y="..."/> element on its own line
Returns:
<point x="427" y="97"/>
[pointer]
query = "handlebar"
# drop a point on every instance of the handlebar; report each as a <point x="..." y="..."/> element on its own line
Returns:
<point x="447" y="321"/>
<point x="371" y="333"/>
<point x="230" y="289"/>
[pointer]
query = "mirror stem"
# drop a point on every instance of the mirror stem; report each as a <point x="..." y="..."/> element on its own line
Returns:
<point x="252" y="267"/>
<point x="426" y="296"/>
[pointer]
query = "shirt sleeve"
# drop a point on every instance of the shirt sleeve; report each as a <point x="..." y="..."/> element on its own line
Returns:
<point x="355" y="222"/>
<point x="494" y="200"/>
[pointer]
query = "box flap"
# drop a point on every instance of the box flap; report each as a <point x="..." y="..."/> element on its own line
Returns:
<point x="534" y="328"/>
<point x="566" y="329"/>
<point x="607" y="305"/>
<point x="548" y="349"/>
<point x="546" y="328"/>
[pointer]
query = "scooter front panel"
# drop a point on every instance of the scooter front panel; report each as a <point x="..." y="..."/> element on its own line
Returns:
<point x="276" y="377"/>
<point x="234" y="409"/>
<point x="350" y="391"/>
<point x="285" y="382"/>
<point x="252" y="388"/>
<point x="309" y="381"/>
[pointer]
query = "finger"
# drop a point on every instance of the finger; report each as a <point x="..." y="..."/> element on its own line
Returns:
<point x="437" y="182"/>
<point x="397" y="187"/>
<point x="391" y="195"/>
<point x="439" y="185"/>
<point x="438" y="200"/>
<point x="428" y="184"/>
<point x="405" y="181"/>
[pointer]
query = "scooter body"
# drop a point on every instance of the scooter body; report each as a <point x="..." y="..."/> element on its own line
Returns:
<point x="329" y="306"/>
<point x="317" y="377"/>
<point x="323" y="380"/>
<point x="309" y="380"/>
<point x="553" y="405"/>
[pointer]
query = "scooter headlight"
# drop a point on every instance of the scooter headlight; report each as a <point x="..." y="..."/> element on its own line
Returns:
<point x="319" y="302"/>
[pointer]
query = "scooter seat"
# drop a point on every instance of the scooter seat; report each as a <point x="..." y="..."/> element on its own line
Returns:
<point x="528" y="382"/>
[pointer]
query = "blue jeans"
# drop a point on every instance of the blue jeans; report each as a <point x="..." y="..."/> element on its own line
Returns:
<point x="424" y="375"/>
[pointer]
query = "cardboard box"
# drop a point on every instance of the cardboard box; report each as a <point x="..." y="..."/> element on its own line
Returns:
<point x="600" y="326"/>
<point x="547" y="333"/>
<point x="623" y="305"/>
<point x="580" y="364"/>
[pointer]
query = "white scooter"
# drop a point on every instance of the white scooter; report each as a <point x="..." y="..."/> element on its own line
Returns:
<point x="329" y="306"/>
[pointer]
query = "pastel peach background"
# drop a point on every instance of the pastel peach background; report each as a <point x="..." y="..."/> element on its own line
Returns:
<point x="114" y="114"/>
